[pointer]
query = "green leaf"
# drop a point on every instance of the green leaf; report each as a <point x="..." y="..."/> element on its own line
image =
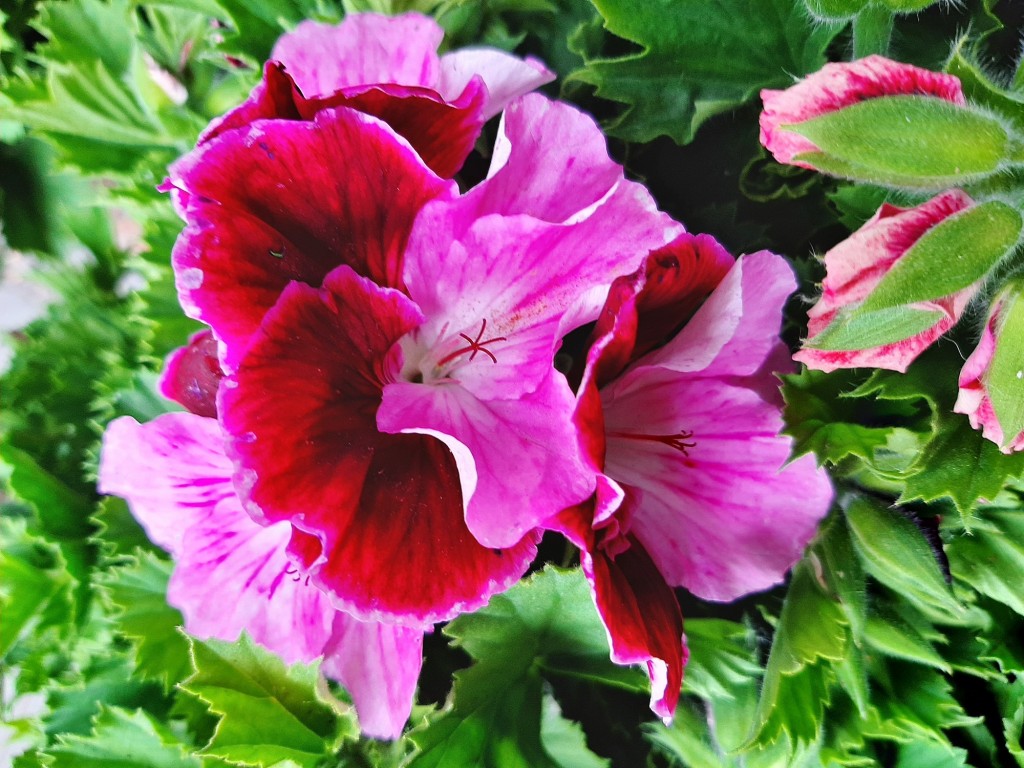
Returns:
<point x="680" y="78"/>
<point x="122" y="739"/>
<point x="991" y="556"/>
<point x="954" y="254"/>
<point x="721" y="658"/>
<point x="1004" y="379"/>
<point x="895" y="552"/>
<point x="269" y="712"/>
<point x="139" y="591"/>
<point x="546" y="624"/>
<point x="83" y="31"/>
<point x="825" y="417"/>
<point x="910" y="141"/>
<point x="34" y="586"/>
<point x="564" y="740"/>
<point x="855" y="329"/>
<point x="900" y="640"/>
<point x="812" y="629"/>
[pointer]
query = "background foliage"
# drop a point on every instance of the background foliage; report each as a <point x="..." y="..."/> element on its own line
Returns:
<point x="898" y="639"/>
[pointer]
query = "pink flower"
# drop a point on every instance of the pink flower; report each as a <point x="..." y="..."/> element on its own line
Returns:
<point x="388" y="67"/>
<point x="389" y="342"/>
<point x="693" y="489"/>
<point x="233" y="575"/>
<point x="973" y="399"/>
<point x="857" y="265"/>
<point x="840" y="85"/>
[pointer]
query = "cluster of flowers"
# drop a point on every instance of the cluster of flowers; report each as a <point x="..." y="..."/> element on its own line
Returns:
<point x="856" y="266"/>
<point x="378" y="435"/>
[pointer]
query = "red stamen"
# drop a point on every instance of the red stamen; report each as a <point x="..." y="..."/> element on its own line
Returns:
<point x="681" y="440"/>
<point x="475" y="346"/>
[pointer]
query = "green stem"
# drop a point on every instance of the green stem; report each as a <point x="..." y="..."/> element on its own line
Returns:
<point x="872" y="29"/>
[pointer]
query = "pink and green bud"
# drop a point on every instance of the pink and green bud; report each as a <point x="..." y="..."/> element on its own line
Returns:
<point x="884" y="122"/>
<point x="992" y="379"/>
<point x="904" y="279"/>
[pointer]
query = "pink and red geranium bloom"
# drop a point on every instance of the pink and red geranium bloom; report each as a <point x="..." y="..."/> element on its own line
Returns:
<point x="389" y="413"/>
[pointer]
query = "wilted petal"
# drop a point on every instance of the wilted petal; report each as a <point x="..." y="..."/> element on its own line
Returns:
<point x="283" y="201"/>
<point x="379" y="665"/>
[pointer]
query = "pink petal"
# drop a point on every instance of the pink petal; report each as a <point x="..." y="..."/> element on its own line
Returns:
<point x="172" y="471"/>
<point x="364" y="49"/>
<point x="857" y="265"/>
<point x="505" y="76"/>
<point x="353" y="189"/>
<point x="521" y="454"/>
<point x="738" y="327"/>
<point x="192" y="375"/>
<point x="551" y="162"/>
<point x="274" y="97"/>
<point x="231" y="574"/>
<point x="234" y="575"/>
<point x="717" y="511"/>
<point x="381" y="515"/>
<point x="379" y="665"/>
<point x="839" y="85"/>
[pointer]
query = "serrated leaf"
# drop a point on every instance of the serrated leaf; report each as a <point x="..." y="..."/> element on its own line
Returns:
<point x="34" y="585"/>
<point x="547" y="623"/>
<point x="721" y="658"/>
<point x="826" y="416"/>
<point x="269" y="712"/>
<point x="139" y="591"/>
<point x="564" y="740"/>
<point x="991" y="556"/>
<point x="122" y="739"/>
<point x="812" y="629"/>
<point x="841" y="571"/>
<point x="680" y="78"/>
<point x="895" y="638"/>
<point x="895" y="552"/>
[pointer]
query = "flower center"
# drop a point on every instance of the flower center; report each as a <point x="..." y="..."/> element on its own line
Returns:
<point x="474" y="347"/>
<point x="681" y="441"/>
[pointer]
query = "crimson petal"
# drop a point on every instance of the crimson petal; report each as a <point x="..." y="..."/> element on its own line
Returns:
<point x="379" y="517"/>
<point x="284" y="200"/>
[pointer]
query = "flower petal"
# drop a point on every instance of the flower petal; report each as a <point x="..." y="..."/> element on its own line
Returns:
<point x="506" y="76"/>
<point x="234" y="575"/>
<point x="550" y="161"/>
<point x="838" y="85"/>
<point x="379" y="665"/>
<point x="364" y="49"/>
<point x="353" y="189"/>
<point x="386" y="509"/>
<point x="521" y="452"/>
<point x="720" y="515"/>
<point x="192" y="375"/>
<point x="172" y="471"/>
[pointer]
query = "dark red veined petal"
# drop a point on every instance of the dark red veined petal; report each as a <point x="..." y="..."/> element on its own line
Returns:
<point x="192" y="375"/>
<point x="282" y="201"/>
<point x="380" y="515"/>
